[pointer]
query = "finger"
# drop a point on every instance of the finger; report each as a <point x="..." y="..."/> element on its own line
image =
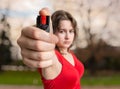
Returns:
<point x="36" y="45"/>
<point x="36" y="33"/>
<point x="37" y="55"/>
<point x="44" y="64"/>
<point x="31" y="63"/>
<point x="46" y="12"/>
<point x="37" y="64"/>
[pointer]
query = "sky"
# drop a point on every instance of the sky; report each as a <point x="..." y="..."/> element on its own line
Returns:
<point x="22" y="8"/>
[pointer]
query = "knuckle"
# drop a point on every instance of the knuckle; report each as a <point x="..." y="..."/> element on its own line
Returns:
<point x="22" y="53"/>
<point x="39" y="56"/>
<point x="22" y="31"/>
<point x="40" y="65"/>
<point x="18" y="41"/>
<point x="24" y="61"/>
<point x="34" y="32"/>
<point x="37" y="45"/>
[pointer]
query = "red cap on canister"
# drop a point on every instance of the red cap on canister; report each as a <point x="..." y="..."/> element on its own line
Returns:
<point x="43" y="13"/>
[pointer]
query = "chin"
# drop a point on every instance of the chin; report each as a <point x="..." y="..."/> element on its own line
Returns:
<point x="66" y="46"/>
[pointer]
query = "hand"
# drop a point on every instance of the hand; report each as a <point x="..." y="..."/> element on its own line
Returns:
<point x="37" y="47"/>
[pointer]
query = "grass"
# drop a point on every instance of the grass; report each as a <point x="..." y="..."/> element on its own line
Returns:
<point x="33" y="78"/>
<point x="101" y="80"/>
<point x="20" y="78"/>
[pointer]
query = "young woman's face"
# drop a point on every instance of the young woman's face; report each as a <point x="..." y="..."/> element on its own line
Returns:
<point x="65" y="34"/>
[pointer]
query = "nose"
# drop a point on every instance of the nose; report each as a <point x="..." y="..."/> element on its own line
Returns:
<point x="67" y="36"/>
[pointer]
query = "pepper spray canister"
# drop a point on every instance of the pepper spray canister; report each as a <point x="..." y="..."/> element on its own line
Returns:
<point x="42" y="22"/>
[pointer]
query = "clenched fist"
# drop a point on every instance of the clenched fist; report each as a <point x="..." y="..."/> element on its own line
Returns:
<point x="37" y="46"/>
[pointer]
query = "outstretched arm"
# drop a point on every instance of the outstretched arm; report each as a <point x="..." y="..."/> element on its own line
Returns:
<point x="37" y="49"/>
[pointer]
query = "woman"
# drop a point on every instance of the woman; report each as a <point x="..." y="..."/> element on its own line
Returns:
<point x="50" y="53"/>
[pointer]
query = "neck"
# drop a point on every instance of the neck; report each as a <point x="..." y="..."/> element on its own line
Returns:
<point x="63" y="51"/>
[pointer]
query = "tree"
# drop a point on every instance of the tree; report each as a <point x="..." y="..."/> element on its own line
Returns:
<point x="5" y="44"/>
<point x="101" y="26"/>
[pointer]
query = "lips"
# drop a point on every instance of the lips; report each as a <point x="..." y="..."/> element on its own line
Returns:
<point x="67" y="42"/>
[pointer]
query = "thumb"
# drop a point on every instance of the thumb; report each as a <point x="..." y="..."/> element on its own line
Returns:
<point x="46" y="12"/>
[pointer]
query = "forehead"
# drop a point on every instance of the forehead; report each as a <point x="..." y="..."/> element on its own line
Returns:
<point x="65" y="24"/>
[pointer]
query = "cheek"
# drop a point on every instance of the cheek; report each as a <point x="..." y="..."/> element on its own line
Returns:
<point x="60" y="42"/>
<point x="60" y="36"/>
<point x="61" y="39"/>
<point x="72" y="37"/>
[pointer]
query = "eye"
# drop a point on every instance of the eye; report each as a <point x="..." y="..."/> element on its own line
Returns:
<point x="61" y="31"/>
<point x="71" y="31"/>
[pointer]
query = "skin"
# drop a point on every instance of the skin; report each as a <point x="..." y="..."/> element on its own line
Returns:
<point x="66" y="37"/>
<point x="37" y="47"/>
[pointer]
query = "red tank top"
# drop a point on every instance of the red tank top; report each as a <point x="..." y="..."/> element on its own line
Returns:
<point x="70" y="75"/>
